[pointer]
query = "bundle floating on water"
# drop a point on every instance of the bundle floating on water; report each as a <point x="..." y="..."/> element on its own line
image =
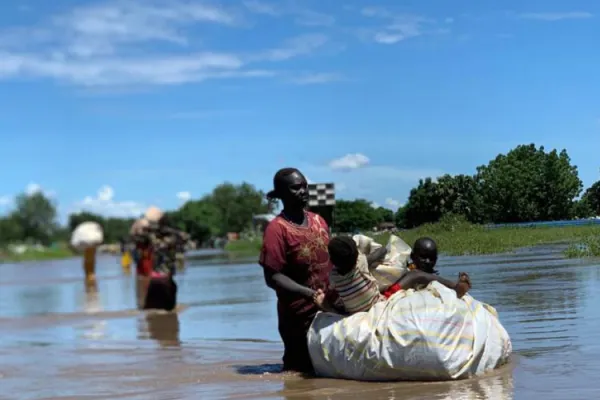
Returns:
<point x="422" y="335"/>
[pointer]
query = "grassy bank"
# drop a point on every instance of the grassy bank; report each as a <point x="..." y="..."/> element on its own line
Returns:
<point x="36" y="255"/>
<point x="244" y="247"/>
<point x="456" y="237"/>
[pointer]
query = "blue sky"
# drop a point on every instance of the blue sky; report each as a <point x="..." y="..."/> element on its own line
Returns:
<point x="114" y="106"/>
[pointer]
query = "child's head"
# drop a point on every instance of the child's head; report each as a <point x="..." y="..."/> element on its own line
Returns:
<point x="343" y="254"/>
<point x="424" y="254"/>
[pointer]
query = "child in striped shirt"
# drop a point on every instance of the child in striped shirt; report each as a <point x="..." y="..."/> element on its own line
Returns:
<point x="358" y="289"/>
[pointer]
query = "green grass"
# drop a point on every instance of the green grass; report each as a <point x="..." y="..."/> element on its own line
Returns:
<point x="244" y="247"/>
<point x="36" y="255"/>
<point x="457" y="237"/>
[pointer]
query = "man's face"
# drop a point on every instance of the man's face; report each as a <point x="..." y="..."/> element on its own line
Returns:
<point x="294" y="189"/>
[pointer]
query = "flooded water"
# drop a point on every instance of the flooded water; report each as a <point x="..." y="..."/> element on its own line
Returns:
<point x="59" y="342"/>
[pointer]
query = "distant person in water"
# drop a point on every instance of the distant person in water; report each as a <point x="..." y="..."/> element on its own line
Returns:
<point x="358" y="289"/>
<point x="296" y="265"/>
<point x="160" y="244"/>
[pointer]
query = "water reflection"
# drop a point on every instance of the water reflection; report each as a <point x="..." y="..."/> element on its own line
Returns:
<point x="94" y="329"/>
<point x="160" y="326"/>
<point x="498" y="386"/>
<point x="37" y="300"/>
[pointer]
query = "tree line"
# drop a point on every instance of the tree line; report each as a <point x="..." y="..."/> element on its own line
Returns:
<point x="524" y="185"/>
<point x="228" y="208"/>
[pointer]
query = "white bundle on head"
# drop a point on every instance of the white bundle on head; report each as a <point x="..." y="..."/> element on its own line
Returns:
<point x="87" y="234"/>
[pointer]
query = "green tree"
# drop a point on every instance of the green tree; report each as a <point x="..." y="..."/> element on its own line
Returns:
<point x="352" y="215"/>
<point x="528" y="184"/>
<point x="199" y="218"/>
<point x="591" y="198"/>
<point x="36" y="216"/>
<point x="236" y="205"/>
<point x="460" y="195"/>
<point x="423" y="205"/>
<point x="81" y="217"/>
<point x="10" y="230"/>
<point x="581" y="209"/>
<point x="383" y="214"/>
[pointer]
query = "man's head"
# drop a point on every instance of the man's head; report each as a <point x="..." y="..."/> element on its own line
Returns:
<point x="291" y="187"/>
<point x="343" y="253"/>
<point x="424" y="254"/>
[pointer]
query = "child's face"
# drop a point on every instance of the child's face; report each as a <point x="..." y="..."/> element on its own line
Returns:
<point x="425" y="259"/>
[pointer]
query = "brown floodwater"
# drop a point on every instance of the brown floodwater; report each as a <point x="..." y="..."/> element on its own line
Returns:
<point x="59" y="342"/>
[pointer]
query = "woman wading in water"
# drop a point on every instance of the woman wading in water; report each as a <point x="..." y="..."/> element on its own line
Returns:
<point x="296" y="265"/>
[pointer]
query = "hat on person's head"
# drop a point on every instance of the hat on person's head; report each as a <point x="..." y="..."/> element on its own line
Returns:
<point x="279" y="175"/>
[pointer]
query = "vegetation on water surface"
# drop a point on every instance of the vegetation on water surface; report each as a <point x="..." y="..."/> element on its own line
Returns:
<point x="456" y="236"/>
<point x="524" y="185"/>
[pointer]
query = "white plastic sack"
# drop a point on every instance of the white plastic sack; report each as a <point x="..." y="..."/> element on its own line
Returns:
<point x="416" y="335"/>
<point x="87" y="234"/>
<point x="395" y="263"/>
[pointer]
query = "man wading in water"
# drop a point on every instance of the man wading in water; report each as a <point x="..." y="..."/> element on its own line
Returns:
<point x="296" y="265"/>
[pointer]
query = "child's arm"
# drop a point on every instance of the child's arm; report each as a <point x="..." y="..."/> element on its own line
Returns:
<point x="376" y="257"/>
<point x="412" y="279"/>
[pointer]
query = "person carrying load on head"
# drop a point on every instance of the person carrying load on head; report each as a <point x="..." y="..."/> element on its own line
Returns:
<point x="358" y="289"/>
<point x="159" y="243"/>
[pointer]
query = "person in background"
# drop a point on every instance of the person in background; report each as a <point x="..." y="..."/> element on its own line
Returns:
<point x="125" y="255"/>
<point x="157" y="245"/>
<point x="165" y="242"/>
<point x="296" y="266"/>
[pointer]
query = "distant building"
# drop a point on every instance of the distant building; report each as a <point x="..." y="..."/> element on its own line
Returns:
<point x="386" y="226"/>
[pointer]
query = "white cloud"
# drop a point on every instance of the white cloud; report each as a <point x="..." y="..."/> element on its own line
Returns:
<point x="260" y="7"/>
<point x="398" y="27"/>
<point x="302" y="16"/>
<point x="295" y="47"/>
<point x="394" y="204"/>
<point x="105" y="204"/>
<point x="349" y="161"/>
<point x="316" y="78"/>
<point x="34" y="188"/>
<point x="375" y="204"/>
<point x="126" y="43"/>
<point x="184" y="196"/>
<point x="556" y="16"/>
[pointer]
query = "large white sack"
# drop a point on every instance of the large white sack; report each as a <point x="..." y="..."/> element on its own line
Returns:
<point x="416" y="335"/>
<point x="87" y="234"/>
<point x="395" y="263"/>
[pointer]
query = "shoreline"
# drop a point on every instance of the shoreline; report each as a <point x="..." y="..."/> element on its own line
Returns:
<point x="456" y="238"/>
